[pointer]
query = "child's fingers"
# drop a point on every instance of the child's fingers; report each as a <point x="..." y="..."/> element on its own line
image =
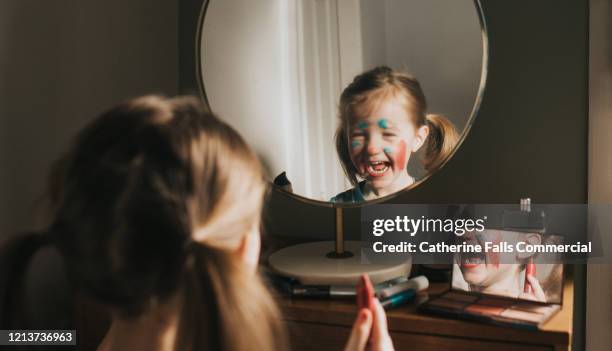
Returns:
<point x="361" y="331"/>
<point x="537" y="288"/>
<point x="381" y="340"/>
<point x="380" y="320"/>
<point x="365" y="292"/>
<point x="361" y="298"/>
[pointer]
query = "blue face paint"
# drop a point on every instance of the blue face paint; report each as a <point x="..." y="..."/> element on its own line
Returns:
<point x="388" y="150"/>
<point x="383" y="123"/>
<point x="362" y="125"/>
<point x="355" y="144"/>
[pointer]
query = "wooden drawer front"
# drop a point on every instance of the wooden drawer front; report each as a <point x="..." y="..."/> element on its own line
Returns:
<point x="320" y="337"/>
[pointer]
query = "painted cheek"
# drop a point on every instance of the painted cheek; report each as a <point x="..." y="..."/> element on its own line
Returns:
<point x="494" y="256"/>
<point x="356" y="150"/>
<point x="400" y="157"/>
<point x="356" y="154"/>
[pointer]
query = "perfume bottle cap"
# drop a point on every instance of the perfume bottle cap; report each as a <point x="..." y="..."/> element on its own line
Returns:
<point x="525" y="219"/>
<point x="526" y="204"/>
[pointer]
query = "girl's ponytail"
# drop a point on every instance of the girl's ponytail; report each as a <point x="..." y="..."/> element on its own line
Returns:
<point x="441" y="141"/>
<point x="175" y="174"/>
<point x="225" y="307"/>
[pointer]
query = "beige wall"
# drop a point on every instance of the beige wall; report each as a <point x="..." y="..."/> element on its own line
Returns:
<point x="61" y="63"/>
<point x="599" y="276"/>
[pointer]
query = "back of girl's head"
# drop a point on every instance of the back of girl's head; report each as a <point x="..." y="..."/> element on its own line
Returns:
<point x="371" y="88"/>
<point x="146" y="200"/>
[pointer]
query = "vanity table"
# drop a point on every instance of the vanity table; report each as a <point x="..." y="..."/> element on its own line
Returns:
<point x="326" y="324"/>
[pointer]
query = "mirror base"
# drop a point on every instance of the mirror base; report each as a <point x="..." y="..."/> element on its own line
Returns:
<point x="310" y="264"/>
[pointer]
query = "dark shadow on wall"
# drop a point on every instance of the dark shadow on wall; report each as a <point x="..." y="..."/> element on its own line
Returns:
<point x="63" y="63"/>
<point x="36" y="51"/>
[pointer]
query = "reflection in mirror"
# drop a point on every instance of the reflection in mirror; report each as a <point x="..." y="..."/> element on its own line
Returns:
<point x="383" y="124"/>
<point x="511" y="273"/>
<point x="276" y="72"/>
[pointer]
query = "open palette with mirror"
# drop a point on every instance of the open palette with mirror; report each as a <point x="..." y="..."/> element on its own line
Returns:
<point x="492" y="310"/>
<point x="518" y="290"/>
<point x="346" y="102"/>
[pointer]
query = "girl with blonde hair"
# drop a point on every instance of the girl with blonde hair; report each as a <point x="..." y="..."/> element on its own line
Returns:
<point x="383" y="120"/>
<point x="157" y="214"/>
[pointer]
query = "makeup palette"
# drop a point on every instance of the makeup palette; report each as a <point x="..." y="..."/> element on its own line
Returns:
<point x="491" y="308"/>
<point x="519" y="314"/>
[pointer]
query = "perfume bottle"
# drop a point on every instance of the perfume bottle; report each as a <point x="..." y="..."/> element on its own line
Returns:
<point x="525" y="219"/>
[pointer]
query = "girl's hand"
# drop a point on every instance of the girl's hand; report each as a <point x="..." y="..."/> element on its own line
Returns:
<point x="537" y="294"/>
<point x="371" y="326"/>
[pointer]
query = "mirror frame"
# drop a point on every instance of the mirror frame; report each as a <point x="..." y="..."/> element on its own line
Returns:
<point x="466" y="129"/>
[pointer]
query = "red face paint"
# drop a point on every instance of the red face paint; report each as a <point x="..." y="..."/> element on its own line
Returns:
<point x="494" y="256"/>
<point x="400" y="158"/>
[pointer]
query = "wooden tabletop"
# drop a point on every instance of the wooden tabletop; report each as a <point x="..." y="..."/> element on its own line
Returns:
<point x="407" y="319"/>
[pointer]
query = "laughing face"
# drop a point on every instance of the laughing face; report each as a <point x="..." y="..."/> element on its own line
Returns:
<point x="381" y="143"/>
<point x="484" y="269"/>
<point x="504" y="272"/>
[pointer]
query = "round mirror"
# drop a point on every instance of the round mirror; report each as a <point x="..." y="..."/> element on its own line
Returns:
<point x="345" y="101"/>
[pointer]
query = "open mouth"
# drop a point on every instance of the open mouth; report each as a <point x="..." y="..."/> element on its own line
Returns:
<point x="377" y="168"/>
<point x="472" y="259"/>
